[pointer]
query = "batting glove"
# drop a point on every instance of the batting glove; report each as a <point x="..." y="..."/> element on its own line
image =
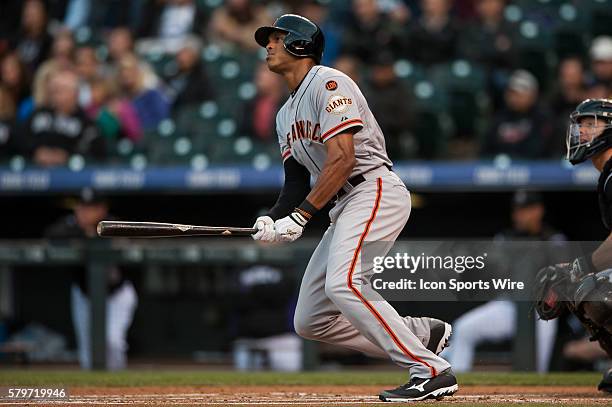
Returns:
<point x="290" y="228"/>
<point x="265" y="229"/>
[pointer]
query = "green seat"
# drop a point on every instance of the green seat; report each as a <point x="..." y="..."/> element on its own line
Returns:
<point x="569" y="33"/>
<point x="432" y="130"/>
<point x="465" y="85"/>
<point x="536" y="51"/>
<point x="601" y="17"/>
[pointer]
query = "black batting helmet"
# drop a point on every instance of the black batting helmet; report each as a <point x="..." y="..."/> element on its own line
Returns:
<point x="304" y="38"/>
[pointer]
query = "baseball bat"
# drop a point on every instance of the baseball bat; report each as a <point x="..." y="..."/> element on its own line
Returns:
<point x="154" y="229"/>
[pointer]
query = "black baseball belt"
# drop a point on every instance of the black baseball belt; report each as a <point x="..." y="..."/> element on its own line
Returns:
<point x="354" y="181"/>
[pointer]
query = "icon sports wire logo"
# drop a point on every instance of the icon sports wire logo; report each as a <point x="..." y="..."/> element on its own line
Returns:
<point x="404" y="261"/>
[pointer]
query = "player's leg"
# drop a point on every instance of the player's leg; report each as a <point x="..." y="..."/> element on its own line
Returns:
<point x="546" y="332"/>
<point x="376" y="210"/>
<point x="317" y="317"/>
<point x="493" y="321"/>
<point x="120" y="308"/>
<point x="79" y="305"/>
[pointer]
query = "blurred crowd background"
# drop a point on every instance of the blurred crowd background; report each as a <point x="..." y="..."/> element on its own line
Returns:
<point x="183" y="82"/>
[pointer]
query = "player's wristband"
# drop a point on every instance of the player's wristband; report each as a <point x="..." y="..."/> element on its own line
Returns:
<point x="307" y="209"/>
<point x="298" y="218"/>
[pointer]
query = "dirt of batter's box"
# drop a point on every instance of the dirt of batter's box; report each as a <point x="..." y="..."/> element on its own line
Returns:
<point x="590" y="391"/>
<point x="326" y="396"/>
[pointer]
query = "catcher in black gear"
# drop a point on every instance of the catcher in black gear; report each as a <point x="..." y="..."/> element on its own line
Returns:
<point x="584" y="287"/>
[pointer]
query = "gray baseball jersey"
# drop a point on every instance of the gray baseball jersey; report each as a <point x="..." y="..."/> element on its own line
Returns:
<point x="331" y="307"/>
<point x="327" y="103"/>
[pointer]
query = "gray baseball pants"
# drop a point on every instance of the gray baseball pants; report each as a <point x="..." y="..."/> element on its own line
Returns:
<point x="331" y="306"/>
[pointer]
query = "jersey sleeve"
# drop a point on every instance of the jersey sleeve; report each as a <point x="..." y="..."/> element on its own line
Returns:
<point x="285" y="149"/>
<point x="607" y="187"/>
<point x="336" y="104"/>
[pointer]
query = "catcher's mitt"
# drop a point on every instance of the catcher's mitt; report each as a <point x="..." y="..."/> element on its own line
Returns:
<point x="552" y="290"/>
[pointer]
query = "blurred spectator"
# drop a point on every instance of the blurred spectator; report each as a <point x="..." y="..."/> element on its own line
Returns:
<point x="166" y="24"/>
<point x="350" y="66"/>
<point x="370" y="32"/>
<point x="570" y="91"/>
<point x="495" y="321"/>
<point x="33" y="42"/>
<point x="489" y="40"/>
<point x="15" y="79"/>
<point x="88" y="68"/>
<point x="259" y="114"/>
<point x="122" y="298"/>
<point x="521" y="129"/>
<point x="150" y="104"/>
<point x="10" y="10"/>
<point x="397" y="10"/>
<point x="190" y="85"/>
<point x="40" y="85"/>
<point x="77" y="14"/>
<point x="319" y="13"/>
<point x="120" y="43"/>
<point x="571" y="84"/>
<point x="601" y="62"/>
<point x="171" y="19"/>
<point x="234" y="23"/>
<point x="111" y="14"/>
<point x="62" y="49"/>
<point x="7" y="123"/>
<point x="465" y="10"/>
<point x="432" y="39"/>
<point x="390" y="102"/>
<point x="61" y="59"/>
<point x="55" y="132"/>
<point x="115" y="117"/>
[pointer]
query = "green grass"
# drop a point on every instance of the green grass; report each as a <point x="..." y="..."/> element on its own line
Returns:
<point x="23" y="377"/>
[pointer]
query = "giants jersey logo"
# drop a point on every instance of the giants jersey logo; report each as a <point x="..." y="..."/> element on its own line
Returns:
<point x="304" y="129"/>
<point x="338" y="104"/>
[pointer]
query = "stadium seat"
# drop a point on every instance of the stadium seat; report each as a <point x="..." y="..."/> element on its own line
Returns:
<point x="465" y="87"/>
<point x="569" y="33"/>
<point x="536" y="51"/>
<point x="409" y="72"/>
<point x="600" y="16"/>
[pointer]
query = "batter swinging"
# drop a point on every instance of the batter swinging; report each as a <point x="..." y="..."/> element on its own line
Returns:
<point x="327" y="131"/>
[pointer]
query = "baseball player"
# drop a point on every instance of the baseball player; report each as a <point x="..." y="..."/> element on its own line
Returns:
<point x="584" y="287"/>
<point x="326" y="131"/>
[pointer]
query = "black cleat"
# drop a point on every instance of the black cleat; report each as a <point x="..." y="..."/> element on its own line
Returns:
<point x="606" y="382"/>
<point x="439" y="334"/>
<point x="418" y="388"/>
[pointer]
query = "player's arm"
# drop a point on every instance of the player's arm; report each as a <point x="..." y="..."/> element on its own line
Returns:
<point x="336" y="170"/>
<point x="336" y="103"/>
<point x="295" y="188"/>
<point x="602" y="257"/>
